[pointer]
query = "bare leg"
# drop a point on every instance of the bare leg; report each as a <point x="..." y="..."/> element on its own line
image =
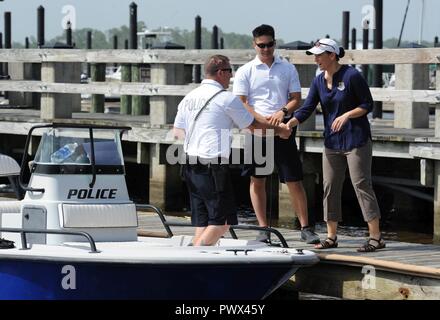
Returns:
<point x="198" y="233"/>
<point x="374" y="229"/>
<point x="211" y="235"/>
<point x="332" y="227"/>
<point x="257" y="192"/>
<point x="299" y="201"/>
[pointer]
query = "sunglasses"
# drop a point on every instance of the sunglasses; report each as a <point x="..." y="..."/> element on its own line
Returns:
<point x="265" y="45"/>
<point x="317" y="44"/>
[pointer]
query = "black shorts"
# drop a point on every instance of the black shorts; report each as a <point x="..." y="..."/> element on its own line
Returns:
<point x="211" y="195"/>
<point x="285" y="157"/>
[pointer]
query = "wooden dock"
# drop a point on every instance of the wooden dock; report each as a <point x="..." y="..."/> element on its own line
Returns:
<point x="401" y="271"/>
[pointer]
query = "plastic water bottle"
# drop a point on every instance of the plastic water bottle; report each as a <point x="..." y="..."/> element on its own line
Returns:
<point x="63" y="153"/>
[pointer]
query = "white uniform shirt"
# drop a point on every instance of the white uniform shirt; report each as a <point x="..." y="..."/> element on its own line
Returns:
<point x="267" y="89"/>
<point x="211" y="133"/>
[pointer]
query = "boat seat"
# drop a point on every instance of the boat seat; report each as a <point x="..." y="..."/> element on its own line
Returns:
<point x="98" y="215"/>
<point x="10" y="207"/>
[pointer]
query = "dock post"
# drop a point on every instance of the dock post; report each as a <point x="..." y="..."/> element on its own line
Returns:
<point x="69" y="34"/>
<point x="1" y="47"/>
<point x="125" y="100"/>
<point x="436" y="231"/>
<point x="411" y="115"/>
<point x="89" y="46"/>
<point x="96" y="72"/>
<point x="163" y="109"/>
<point x="345" y="29"/>
<point x="60" y="105"/>
<point x="164" y="178"/>
<point x="214" y="39"/>
<point x="378" y="44"/>
<point x="165" y="181"/>
<point x="8" y="43"/>
<point x="40" y="26"/>
<point x="306" y="74"/>
<point x="98" y="75"/>
<point x="198" y="45"/>
<point x="21" y="71"/>
<point x="138" y="106"/>
<point x="365" y="40"/>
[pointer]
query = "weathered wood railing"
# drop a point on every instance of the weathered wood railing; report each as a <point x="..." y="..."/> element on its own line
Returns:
<point x="169" y="83"/>
<point x="411" y="63"/>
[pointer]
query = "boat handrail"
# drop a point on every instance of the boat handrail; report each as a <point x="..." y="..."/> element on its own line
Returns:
<point x="50" y="231"/>
<point x="167" y="225"/>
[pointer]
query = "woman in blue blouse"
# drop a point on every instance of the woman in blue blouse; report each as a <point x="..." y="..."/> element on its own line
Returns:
<point x="345" y="100"/>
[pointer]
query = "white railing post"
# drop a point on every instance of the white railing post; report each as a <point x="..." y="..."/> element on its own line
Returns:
<point x="411" y="115"/>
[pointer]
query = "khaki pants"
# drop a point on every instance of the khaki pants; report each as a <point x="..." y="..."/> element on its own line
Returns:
<point x="334" y="165"/>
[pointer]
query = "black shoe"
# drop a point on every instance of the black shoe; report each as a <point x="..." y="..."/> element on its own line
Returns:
<point x="309" y="236"/>
<point x="6" y="244"/>
<point x="263" y="236"/>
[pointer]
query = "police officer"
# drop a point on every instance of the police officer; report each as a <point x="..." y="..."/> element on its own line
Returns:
<point x="204" y="118"/>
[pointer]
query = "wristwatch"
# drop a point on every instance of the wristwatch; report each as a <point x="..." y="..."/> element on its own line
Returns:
<point x="286" y="112"/>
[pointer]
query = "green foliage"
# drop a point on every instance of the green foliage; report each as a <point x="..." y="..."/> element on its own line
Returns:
<point x="104" y="40"/>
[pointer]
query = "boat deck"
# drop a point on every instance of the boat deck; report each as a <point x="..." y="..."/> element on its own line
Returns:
<point x="400" y="271"/>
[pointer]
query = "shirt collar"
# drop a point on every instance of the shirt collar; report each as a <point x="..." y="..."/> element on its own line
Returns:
<point x="212" y="82"/>
<point x="277" y="59"/>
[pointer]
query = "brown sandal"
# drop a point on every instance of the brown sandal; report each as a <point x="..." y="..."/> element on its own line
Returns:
<point x="327" y="243"/>
<point x="369" y="247"/>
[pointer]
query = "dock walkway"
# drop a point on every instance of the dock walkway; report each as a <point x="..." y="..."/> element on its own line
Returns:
<point x="400" y="271"/>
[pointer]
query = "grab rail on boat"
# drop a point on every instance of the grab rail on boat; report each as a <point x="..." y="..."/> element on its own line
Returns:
<point x="50" y="231"/>
<point x="168" y="224"/>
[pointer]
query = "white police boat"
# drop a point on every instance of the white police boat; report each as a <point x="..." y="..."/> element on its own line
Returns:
<point x="75" y="233"/>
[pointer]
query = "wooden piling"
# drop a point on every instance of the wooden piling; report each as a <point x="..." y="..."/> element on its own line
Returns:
<point x="40" y="26"/>
<point x="69" y="34"/>
<point x="365" y="41"/>
<point x="378" y="43"/>
<point x="198" y="45"/>
<point x="89" y="46"/>
<point x="345" y="28"/>
<point x="214" y="39"/>
<point x="98" y="75"/>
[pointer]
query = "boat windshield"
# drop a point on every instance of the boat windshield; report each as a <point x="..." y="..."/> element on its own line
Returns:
<point x="72" y="146"/>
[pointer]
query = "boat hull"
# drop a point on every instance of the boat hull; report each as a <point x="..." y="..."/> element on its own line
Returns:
<point x="53" y="280"/>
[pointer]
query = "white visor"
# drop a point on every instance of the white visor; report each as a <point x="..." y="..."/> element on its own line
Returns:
<point x="324" y="45"/>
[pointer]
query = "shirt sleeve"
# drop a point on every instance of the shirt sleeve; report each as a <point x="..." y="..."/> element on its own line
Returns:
<point x="294" y="84"/>
<point x="361" y="91"/>
<point x="179" y="121"/>
<point x="310" y="104"/>
<point x="241" y="83"/>
<point x="238" y="113"/>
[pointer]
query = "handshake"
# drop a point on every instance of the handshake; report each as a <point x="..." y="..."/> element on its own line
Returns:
<point x="283" y="131"/>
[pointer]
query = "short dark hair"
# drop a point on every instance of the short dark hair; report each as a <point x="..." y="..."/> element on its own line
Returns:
<point x="215" y="63"/>
<point x="264" y="30"/>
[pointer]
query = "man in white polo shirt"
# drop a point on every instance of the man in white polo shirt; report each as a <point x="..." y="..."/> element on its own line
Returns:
<point x="204" y="118"/>
<point x="270" y="86"/>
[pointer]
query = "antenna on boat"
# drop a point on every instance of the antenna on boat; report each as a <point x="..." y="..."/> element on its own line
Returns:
<point x="403" y="24"/>
<point x="422" y="15"/>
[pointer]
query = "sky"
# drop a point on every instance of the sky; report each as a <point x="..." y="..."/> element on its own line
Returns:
<point x="304" y="20"/>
